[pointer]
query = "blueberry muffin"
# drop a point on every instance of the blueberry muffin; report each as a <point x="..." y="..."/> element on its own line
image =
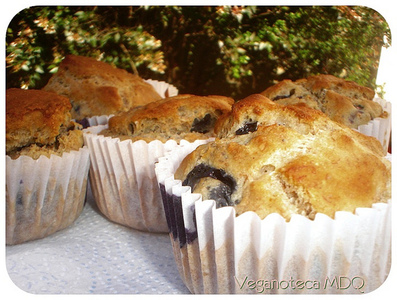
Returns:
<point x="123" y="154"/>
<point x="287" y="160"/>
<point x="343" y="101"/>
<point x="96" y="88"/>
<point x="39" y="123"/>
<point x="188" y="117"/>
<point x="284" y="193"/>
<point x="46" y="165"/>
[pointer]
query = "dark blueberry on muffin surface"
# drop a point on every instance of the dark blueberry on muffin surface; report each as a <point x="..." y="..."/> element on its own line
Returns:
<point x="247" y="127"/>
<point x="203" y="125"/>
<point x="218" y="184"/>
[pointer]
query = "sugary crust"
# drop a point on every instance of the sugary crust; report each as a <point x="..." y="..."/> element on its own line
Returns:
<point x="34" y="117"/>
<point x="343" y="101"/>
<point x="96" y="88"/>
<point x="184" y="116"/>
<point x="284" y="168"/>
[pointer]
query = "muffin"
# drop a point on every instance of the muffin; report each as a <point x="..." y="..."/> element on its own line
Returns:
<point x="184" y="116"/>
<point x="46" y="165"/>
<point x="96" y="88"/>
<point x="343" y="101"/>
<point x="123" y="154"/>
<point x="291" y="164"/>
<point x="297" y="197"/>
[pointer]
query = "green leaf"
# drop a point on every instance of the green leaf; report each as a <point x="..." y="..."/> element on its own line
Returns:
<point x="117" y="37"/>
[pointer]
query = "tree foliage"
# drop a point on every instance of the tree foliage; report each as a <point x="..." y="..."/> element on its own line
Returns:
<point x="226" y="50"/>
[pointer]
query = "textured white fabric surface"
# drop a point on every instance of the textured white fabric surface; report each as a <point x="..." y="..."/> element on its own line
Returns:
<point x="95" y="256"/>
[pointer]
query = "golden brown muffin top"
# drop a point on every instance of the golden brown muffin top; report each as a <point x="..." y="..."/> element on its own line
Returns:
<point x="96" y="88"/>
<point x="342" y="100"/>
<point x="283" y="168"/>
<point x="34" y="116"/>
<point x="180" y="117"/>
<point x="37" y="119"/>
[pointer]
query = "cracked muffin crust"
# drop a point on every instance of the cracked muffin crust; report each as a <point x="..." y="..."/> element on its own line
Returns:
<point x="39" y="123"/>
<point x="343" y="101"/>
<point x="96" y="88"/>
<point x="185" y="116"/>
<point x="293" y="160"/>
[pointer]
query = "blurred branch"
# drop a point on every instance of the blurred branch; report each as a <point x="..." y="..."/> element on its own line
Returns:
<point x="135" y="71"/>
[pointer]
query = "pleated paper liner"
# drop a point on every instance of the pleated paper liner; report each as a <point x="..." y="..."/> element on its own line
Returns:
<point x="219" y="253"/>
<point x="380" y="128"/>
<point x="123" y="181"/>
<point x="163" y="88"/>
<point x="96" y="120"/>
<point x="45" y="195"/>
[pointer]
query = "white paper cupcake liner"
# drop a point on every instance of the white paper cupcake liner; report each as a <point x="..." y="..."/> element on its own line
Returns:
<point x="163" y="88"/>
<point x="123" y="181"/>
<point x="380" y="128"/>
<point x="98" y="120"/>
<point x="45" y="195"/>
<point x="219" y="253"/>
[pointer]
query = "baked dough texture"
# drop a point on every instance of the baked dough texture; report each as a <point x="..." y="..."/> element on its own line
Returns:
<point x="294" y="159"/>
<point x="96" y="88"/>
<point x="184" y="116"/>
<point x="343" y="101"/>
<point x="39" y="123"/>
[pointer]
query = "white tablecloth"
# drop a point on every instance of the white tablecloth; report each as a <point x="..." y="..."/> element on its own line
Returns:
<point x="95" y="256"/>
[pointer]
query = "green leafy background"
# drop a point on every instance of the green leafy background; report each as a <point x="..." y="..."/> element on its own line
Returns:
<point x="226" y="50"/>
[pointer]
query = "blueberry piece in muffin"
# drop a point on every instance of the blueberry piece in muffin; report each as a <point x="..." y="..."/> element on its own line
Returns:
<point x="247" y="127"/>
<point x="203" y="125"/>
<point x="216" y="183"/>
